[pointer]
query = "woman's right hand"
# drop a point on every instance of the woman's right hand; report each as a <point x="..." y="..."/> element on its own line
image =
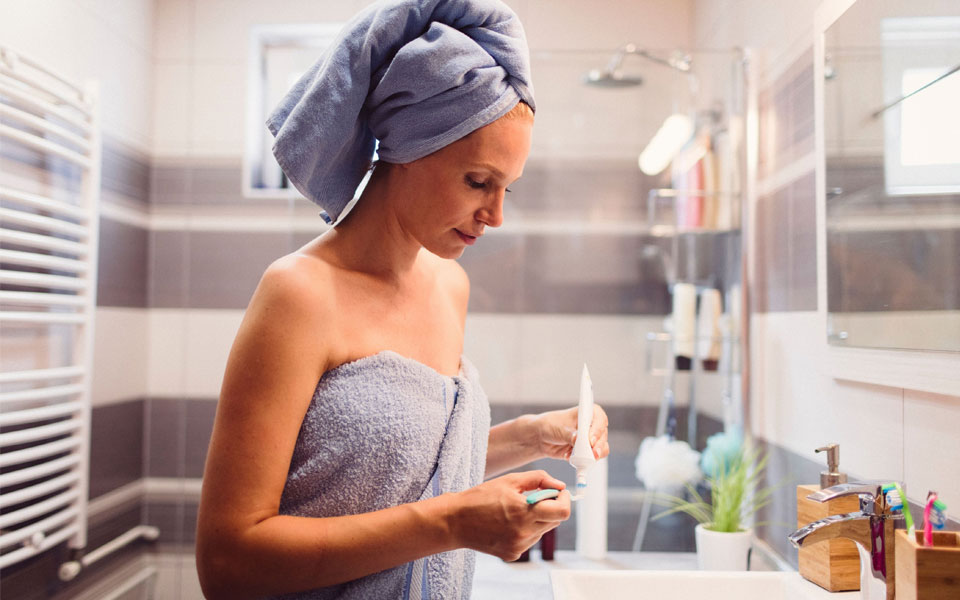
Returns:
<point x="494" y="517"/>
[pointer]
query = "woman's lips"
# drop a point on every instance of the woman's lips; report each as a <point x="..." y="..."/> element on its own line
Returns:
<point x="467" y="239"/>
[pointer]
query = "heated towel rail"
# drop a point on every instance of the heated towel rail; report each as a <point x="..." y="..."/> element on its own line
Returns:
<point x="49" y="193"/>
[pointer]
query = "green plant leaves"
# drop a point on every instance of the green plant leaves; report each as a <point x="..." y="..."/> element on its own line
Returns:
<point x="734" y="494"/>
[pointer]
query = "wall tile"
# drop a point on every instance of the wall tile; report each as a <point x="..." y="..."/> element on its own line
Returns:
<point x="803" y="244"/>
<point x="785" y="118"/>
<point x="169" y="269"/>
<point x="166" y="426"/>
<point x="930" y="446"/>
<point x="199" y="427"/>
<point x="225" y="267"/>
<point x="125" y="172"/>
<point x="116" y="446"/>
<point x="121" y="272"/>
<point x="772" y="254"/>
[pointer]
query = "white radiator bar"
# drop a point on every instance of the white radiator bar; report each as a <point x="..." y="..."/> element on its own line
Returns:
<point x="23" y="95"/>
<point x="38" y="143"/>
<point x="51" y="242"/>
<point x="59" y="282"/>
<point x="42" y="242"/>
<point x="39" y="299"/>
<point x="10" y="61"/>
<point x="37" y="123"/>
<point x="32" y="434"/>
<point x="48" y="450"/>
<point x="42" y="470"/>
<point x="43" y="261"/>
<point x="40" y="489"/>
<point x="44" y="318"/>
<point x="40" y="374"/>
<point x="36" y="394"/>
<point x="45" y="223"/>
<point x="40" y="202"/>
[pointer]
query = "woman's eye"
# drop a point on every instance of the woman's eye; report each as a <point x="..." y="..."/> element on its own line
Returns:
<point x="477" y="185"/>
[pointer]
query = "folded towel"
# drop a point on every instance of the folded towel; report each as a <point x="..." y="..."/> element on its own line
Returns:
<point x="386" y="430"/>
<point x="415" y="75"/>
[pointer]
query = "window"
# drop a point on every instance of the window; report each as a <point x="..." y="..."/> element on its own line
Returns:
<point x="278" y="56"/>
<point x="921" y="153"/>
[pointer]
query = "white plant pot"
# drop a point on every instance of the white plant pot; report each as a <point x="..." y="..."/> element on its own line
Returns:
<point x="722" y="551"/>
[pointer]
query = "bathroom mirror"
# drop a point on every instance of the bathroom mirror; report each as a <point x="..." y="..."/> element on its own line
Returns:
<point x="892" y="175"/>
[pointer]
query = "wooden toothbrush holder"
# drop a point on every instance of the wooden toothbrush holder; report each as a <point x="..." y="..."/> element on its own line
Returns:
<point x="927" y="573"/>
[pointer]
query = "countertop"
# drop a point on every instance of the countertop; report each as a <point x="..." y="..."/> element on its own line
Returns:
<point x="498" y="580"/>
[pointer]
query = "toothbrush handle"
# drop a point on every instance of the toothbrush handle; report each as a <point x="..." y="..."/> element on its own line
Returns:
<point x="927" y="525"/>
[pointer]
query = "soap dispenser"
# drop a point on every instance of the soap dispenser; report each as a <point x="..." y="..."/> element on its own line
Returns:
<point x="835" y="564"/>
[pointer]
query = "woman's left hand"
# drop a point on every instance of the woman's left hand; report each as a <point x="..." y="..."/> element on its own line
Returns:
<point x="557" y="432"/>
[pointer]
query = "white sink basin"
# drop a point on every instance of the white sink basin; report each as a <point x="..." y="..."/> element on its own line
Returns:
<point x="685" y="585"/>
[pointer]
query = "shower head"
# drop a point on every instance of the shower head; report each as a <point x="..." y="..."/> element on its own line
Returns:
<point x="611" y="76"/>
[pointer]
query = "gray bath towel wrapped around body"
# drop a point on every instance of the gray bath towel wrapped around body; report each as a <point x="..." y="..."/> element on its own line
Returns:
<point x="386" y="430"/>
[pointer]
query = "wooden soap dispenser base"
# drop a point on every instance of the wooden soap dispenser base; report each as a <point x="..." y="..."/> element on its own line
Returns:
<point x="834" y="564"/>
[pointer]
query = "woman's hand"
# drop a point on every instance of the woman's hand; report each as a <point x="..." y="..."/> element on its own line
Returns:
<point x="494" y="517"/>
<point x="557" y="432"/>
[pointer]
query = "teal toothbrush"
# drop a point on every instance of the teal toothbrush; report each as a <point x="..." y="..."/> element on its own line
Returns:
<point x="897" y="500"/>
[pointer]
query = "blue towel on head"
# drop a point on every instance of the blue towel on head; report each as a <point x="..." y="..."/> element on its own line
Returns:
<point x="416" y="75"/>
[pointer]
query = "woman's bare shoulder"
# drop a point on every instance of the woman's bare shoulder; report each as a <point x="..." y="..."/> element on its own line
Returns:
<point x="293" y="296"/>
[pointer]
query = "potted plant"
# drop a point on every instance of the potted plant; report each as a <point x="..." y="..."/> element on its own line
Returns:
<point x="732" y="471"/>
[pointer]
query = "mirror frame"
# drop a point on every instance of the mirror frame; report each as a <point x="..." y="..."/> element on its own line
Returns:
<point x="922" y="370"/>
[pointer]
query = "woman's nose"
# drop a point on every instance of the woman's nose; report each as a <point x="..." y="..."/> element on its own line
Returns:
<point x="491" y="214"/>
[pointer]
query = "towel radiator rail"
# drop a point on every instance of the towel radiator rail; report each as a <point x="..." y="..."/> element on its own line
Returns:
<point x="48" y="269"/>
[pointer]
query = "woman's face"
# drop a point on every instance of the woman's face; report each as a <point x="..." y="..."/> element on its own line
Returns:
<point x="454" y="194"/>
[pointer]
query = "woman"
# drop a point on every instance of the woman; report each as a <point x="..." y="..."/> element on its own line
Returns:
<point x="352" y="438"/>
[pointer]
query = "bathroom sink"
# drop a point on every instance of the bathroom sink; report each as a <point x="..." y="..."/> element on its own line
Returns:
<point x="682" y="585"/>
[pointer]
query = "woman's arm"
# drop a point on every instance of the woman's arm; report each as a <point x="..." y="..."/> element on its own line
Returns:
<point x="519" y="441"/>
<point x="245" y="549"/>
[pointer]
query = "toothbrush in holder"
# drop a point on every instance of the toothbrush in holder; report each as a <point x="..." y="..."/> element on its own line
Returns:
<point x="934" y="515"/>
<point x="582" y="457"/>
<point x="897" y="500"/>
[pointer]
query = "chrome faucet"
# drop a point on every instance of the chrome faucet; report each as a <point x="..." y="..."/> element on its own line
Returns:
<point x="870" y="528"/>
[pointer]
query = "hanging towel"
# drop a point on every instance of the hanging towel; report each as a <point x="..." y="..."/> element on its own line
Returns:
<point x="415" y="75"/>
<point x="382" y="431"/>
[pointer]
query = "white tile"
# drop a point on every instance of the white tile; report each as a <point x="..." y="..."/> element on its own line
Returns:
<point x="120" y="355"/>
<point x="217" y="96"/>
<point x="167" y="352"/>
<point x="173" y="30"/>
<point x="492" y="343"/>
<point x="555" y="347"/>
<point x="931" y="447"/>
<point x="171" y="108"/>
<point x="209" y="337"/>
<point x="131" y="19"/>
<point x="126" y="90"/>
<point x="798" y="405"/>
<point x="221" y="27"/>
<point x="568" y="24"/>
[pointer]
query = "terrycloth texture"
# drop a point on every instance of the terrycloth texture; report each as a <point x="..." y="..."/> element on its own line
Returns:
<point x="415" y="75"/>
<point x="386" y="430"/>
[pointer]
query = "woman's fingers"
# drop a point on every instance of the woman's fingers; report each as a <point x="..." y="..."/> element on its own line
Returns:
<point x="554" y="510"/>
<point x="535" y="480"/>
